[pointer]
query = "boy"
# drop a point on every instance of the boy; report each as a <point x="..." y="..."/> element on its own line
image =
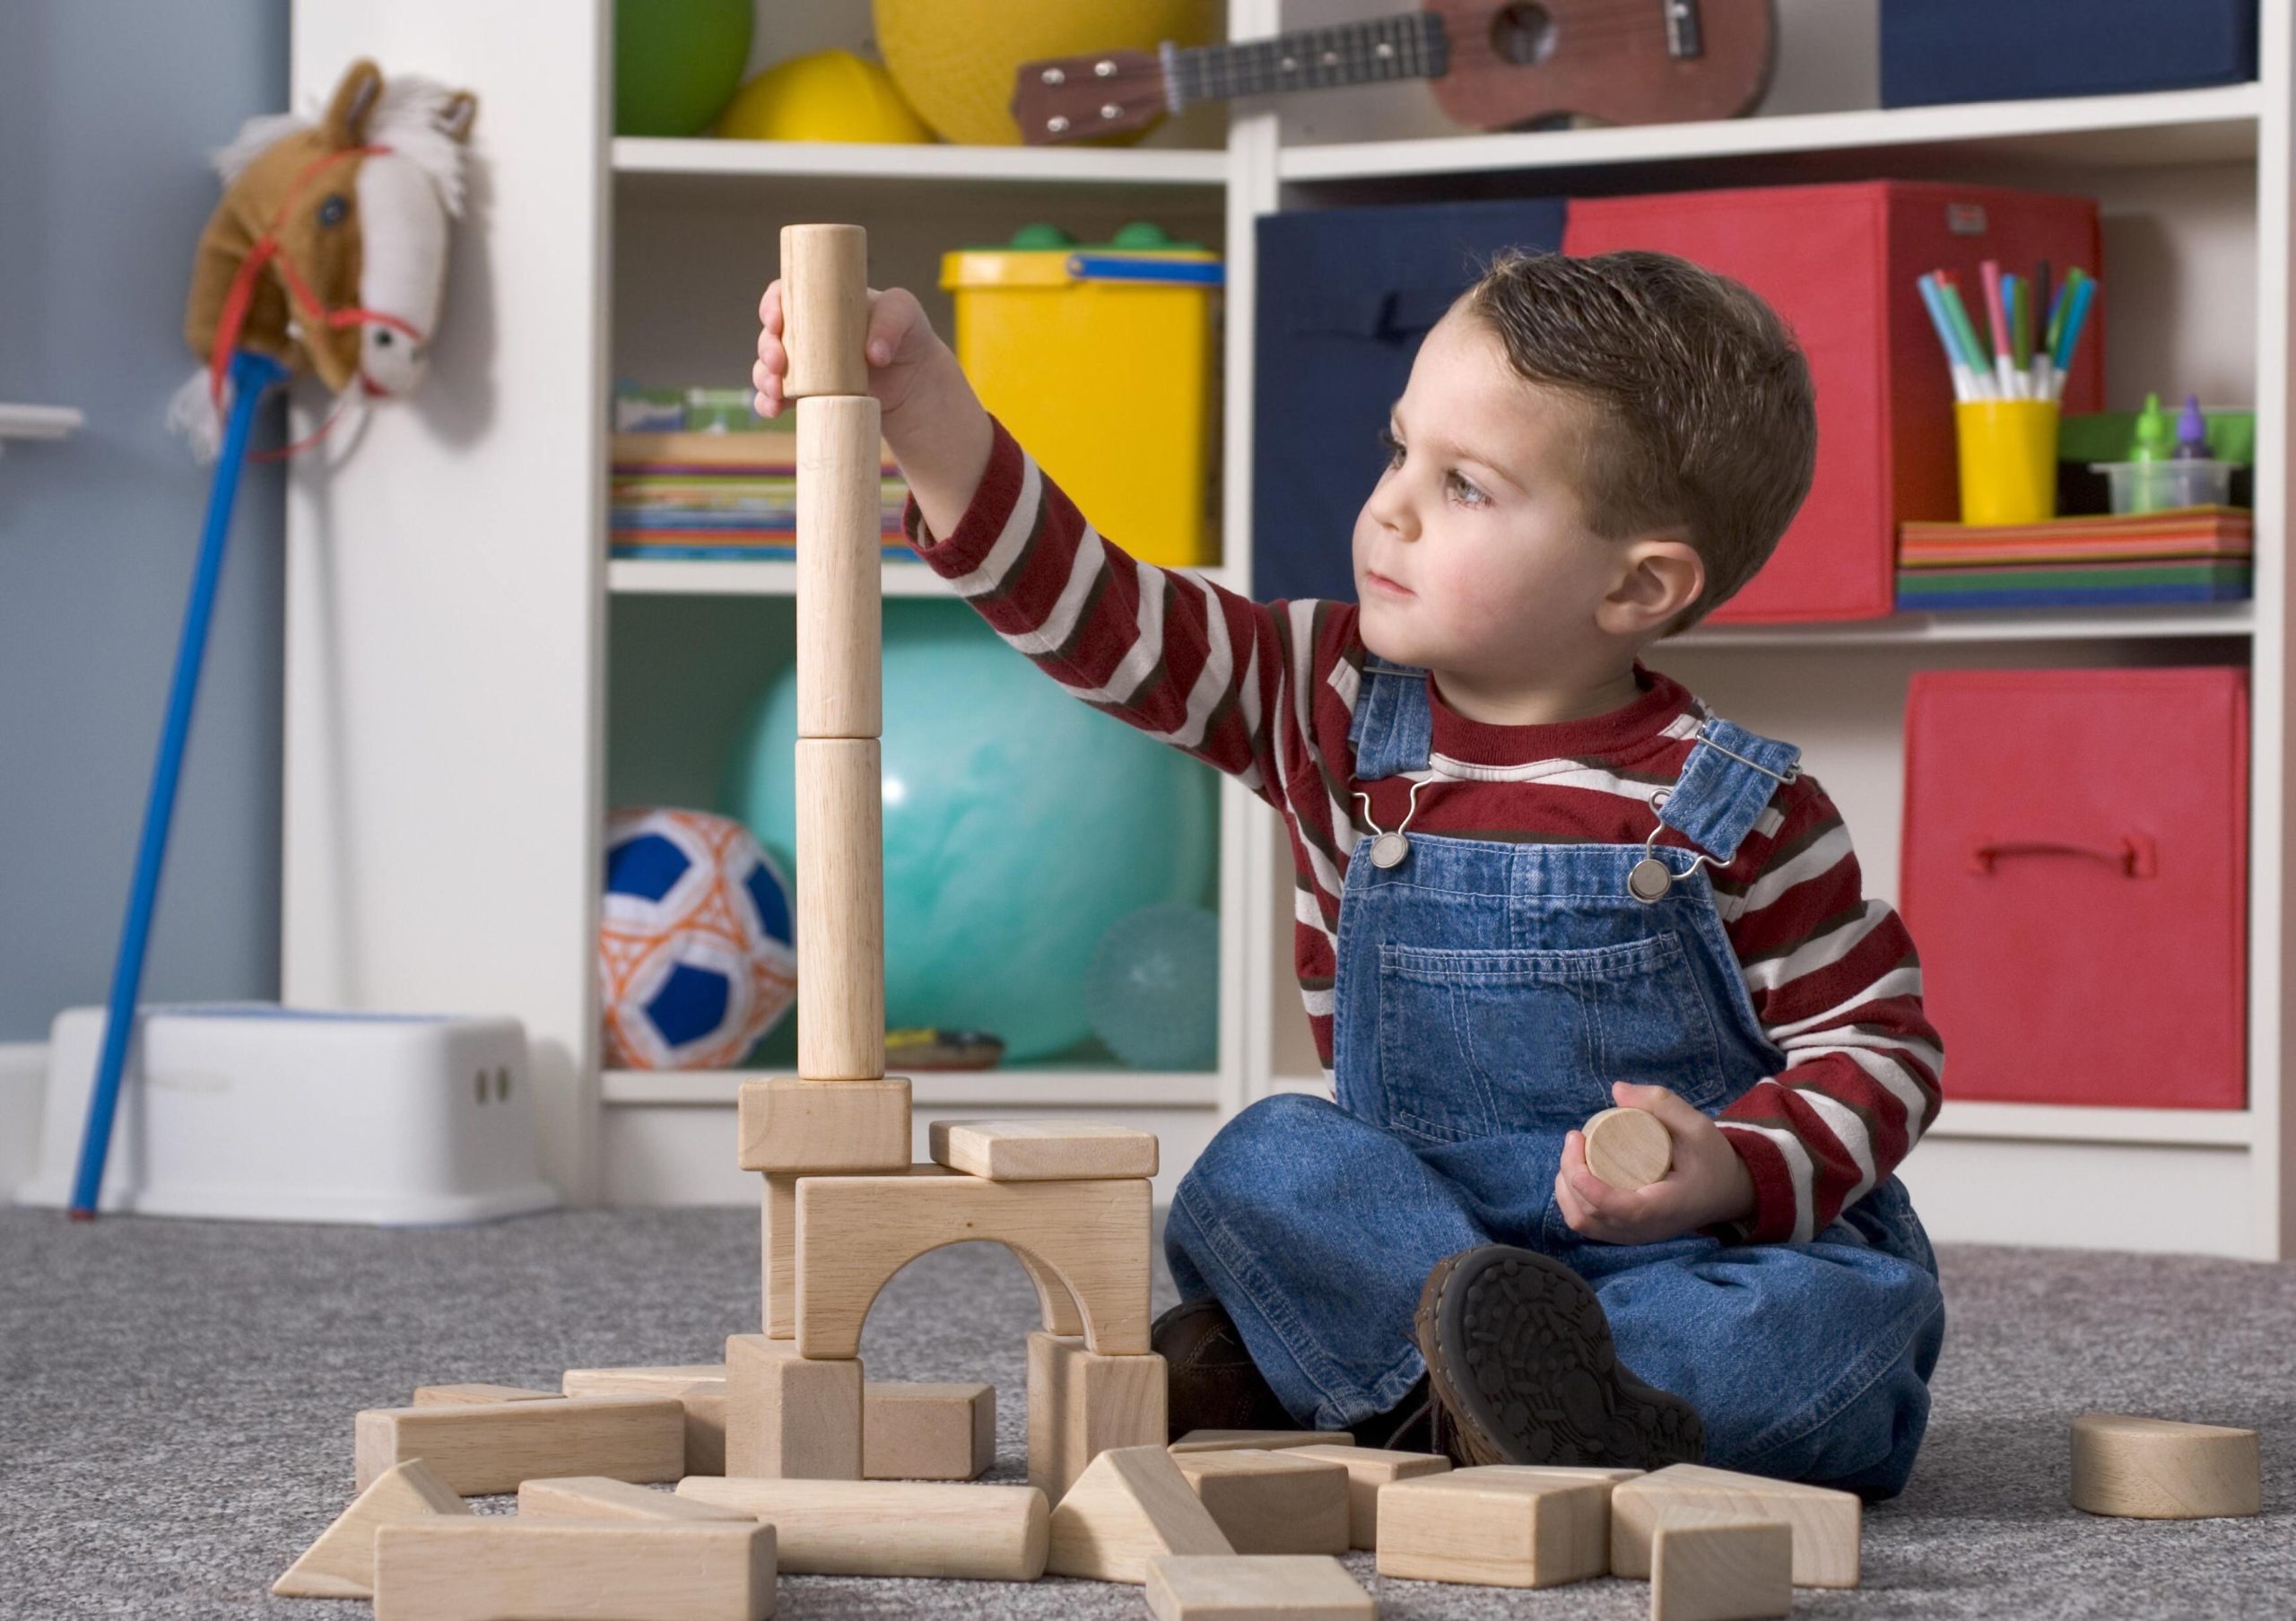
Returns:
<point x="1578" y="888"/>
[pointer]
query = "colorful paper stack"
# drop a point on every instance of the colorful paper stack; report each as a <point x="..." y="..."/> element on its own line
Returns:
<point x="722" y="495"/>
<point x="2191" y="555"/>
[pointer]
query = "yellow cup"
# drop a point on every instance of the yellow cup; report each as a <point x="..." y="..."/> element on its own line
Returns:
<point x="2008" y="457"/>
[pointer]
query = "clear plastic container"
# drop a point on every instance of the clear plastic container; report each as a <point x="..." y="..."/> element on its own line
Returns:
<point x="2157" y="486"/>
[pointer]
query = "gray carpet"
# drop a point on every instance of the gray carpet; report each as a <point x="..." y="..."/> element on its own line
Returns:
<point x="176" y="1403"/>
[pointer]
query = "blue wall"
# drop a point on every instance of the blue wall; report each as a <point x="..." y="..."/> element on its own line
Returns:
<point x="107" y="109"/>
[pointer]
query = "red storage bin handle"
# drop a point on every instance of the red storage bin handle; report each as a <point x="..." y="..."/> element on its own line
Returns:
<point x="2135" y="855"/>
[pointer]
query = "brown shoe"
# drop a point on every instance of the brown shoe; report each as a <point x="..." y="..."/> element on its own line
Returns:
<point x="1521" y="1364"/>
<point x="1215" y="1383"/>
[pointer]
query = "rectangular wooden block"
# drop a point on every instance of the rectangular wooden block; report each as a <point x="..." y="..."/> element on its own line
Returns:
<point x="777" y="1243"/>
<point x="1715" y="1565"/>
<point x="1257" y="1441"/>
<point x="927" y="1431"/>
<point x="700" y="1386"/>
<point x="341" y="1563"/>
<point x="1825" y="1522"/>
<point x="787" y="1419"/>
<point x="465" y="1395"/>
<point x="1290" y="1587"/>
<point x="595" y="1497"/>
<point x="1272" y="1503"/>
<point x="1130" y="1504"/>
<point x="887" y="1528"/>
<point x="1368" y="1469"/>
<point x="1490" y="1529"/>
<point x="824" y="1127"/>
<point x="1080" y="1404"/>
<point x="497" y="1568"/>
<point x="492" y="1446"/>
<point x="1044" y="1150"/>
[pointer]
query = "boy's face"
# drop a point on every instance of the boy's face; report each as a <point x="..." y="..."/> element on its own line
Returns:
<point x="1472" y="554"/>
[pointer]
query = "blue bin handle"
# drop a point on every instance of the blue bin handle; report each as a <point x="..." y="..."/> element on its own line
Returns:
<point x="1125" y="267"/>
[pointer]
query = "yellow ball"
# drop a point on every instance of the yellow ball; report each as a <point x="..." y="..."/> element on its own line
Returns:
<point x="831" y="95"/>
<point x="954" y="59"/>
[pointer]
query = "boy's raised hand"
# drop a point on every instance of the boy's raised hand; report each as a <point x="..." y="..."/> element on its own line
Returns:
<point x="1708" y="1181"/>
<point x="900" y="346"/>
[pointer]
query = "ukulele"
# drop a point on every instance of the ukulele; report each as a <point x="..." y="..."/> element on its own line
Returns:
<point x="1492" y="65"/>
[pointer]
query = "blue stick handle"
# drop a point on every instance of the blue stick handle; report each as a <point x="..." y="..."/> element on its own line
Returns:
<point x="251" y="375"/>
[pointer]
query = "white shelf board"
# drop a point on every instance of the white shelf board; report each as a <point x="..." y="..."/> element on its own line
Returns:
<point x="2214" y="125"/>
<point x="39" y="422"/>
<point x="862" y="160"/>
<point x="1009" y="1086"/>
<point x="2075" y="1123"/>
<point x="707" y="577"/>
<point x="1985" y="624"/>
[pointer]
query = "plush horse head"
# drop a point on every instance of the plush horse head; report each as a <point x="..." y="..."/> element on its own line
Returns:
<point x="328" y="251"/>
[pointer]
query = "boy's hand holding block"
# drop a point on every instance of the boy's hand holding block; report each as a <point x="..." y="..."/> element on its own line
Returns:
<point x="1627" y="1149"/>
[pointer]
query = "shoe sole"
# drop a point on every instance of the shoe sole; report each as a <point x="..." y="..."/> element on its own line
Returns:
<point x="1518" y="1349"/>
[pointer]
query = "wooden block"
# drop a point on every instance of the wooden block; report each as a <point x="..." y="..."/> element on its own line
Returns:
<point x="1272" y="1503"/>
<point x="1129" y="1505"/>
<point x="1292" y="1587"/>
<point x="1080" y="1404"/>
<point x="1489" y="1528"/>
<point x="788" y="1418"/>
<point x="840" y="573"/>
<point x="840" y="883"/>
<point x="700" y="1386"/>
<point x="777" y="1245"/>
<point x="855" y="1231"/>
<point x="1629" y="1148"/>
<point x="1044" y="1150"/>
<point x="825" y="309"/>
<point x="1368" y="1469"/>
<point x="1825" y="1522"/>
<point x="1257" y="1441"/>
<point x="341" y="1564"/>
<point x="2157" y="1468"/>
<point x="595" y="1497"/>
<point x="494" y="1568"/>
<point x="885" y="1528"/>
<point x="492" y="1446"/>
<point x="466" y="1395"/>
<point x="1708" y="1565"/>
<point x="927" y="1431"/>
<point x="824" y="1127"/>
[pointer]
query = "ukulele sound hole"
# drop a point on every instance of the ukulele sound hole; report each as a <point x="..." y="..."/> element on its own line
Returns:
<point x="1523" y="35"/>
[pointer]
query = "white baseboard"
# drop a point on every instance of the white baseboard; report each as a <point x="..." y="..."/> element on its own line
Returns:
<point x="24" y="1089"/>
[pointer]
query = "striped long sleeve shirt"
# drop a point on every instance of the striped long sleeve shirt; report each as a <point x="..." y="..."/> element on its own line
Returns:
<point x="1266" y="692"/>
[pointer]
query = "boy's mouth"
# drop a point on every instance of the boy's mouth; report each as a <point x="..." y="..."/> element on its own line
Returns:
<point x="1384" y="583"/>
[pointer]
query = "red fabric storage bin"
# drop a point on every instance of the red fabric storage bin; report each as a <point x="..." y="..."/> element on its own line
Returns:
<point x="1839" y="264"/>
<point x="2075" y="879"/>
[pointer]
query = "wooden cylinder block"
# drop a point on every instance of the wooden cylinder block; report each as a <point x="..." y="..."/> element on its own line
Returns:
<point x="840" y="912"/>
<point x="841" y="569"/>
<point x="1629" y="1148"/>
<point x="825" y="309"/>
<point x="2156" y="1468"/>
<point x="872" y="1528"/>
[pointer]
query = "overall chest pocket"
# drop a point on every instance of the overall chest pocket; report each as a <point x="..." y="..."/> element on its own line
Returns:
<point x="1478" y="1042"/>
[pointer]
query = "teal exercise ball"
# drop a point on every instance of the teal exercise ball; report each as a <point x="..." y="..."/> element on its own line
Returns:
<point x="1020" y="823"/>
<point x="676" y="63"/>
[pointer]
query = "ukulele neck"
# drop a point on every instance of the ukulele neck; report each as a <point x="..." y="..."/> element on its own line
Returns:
<point x="1410" y="45"/>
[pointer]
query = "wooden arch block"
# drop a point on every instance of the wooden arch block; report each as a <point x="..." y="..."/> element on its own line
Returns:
<point x="2157" y="1468"/>
<point x="854" y="1233"/>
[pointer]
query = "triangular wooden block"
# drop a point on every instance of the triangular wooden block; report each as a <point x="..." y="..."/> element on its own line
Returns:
<point x="341" y="1564"/>
<point x="1129" y="1505"/>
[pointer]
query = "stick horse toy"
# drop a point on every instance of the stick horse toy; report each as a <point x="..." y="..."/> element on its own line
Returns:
<point x="327" y="257"/>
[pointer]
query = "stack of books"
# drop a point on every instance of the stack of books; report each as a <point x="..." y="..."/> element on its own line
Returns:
<point x="2189" y="555"/>
<point x="722" y="495"/>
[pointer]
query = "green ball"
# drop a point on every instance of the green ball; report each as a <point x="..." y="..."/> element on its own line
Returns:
<point x="676" y="63"/>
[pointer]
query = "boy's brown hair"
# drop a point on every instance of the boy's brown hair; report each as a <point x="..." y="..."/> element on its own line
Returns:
<point x="1699" y="410"/>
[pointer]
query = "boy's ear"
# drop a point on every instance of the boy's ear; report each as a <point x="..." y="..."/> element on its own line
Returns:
<point x="1659" y="576"/>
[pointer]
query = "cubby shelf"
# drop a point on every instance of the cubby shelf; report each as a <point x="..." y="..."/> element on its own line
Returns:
<point x="1009" y="1085"/>
<point x="734" y="577"/>
<point x="1098" y="168"/>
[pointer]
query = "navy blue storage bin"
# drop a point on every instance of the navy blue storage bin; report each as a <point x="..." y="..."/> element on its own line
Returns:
<point x="1345" y="294"/>
<point x="2006" y="50"/>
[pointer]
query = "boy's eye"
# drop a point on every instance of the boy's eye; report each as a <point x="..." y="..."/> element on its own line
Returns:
<point x="1391" y="445"/>
<point x="1468" y="493"/>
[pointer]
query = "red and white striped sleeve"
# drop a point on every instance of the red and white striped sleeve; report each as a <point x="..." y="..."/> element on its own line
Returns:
<point x="1836" y="983"/>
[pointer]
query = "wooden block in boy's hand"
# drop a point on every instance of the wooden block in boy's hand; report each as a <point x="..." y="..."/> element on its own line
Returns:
<point x="1494" y="1528"/>
<point x="491" y="1566"/>
<point x="1289" y="1587"/>
<point x="1825" y="1522"/>
<point x="1627" y="1149"/>
<point x="492" y="1446"/>
<point x="1272" y="1503"/>
<point x="1044" y="1150"/>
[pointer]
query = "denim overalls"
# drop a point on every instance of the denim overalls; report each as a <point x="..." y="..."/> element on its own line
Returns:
<point x="1487" y="994"/>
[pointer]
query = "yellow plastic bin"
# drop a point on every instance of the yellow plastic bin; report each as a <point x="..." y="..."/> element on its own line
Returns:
<point x="1099" y="358"/>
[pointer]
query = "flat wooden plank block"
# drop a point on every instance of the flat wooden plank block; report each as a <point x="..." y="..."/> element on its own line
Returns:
<point x="855" y="1231"/>
<point x="1715" y="1565"/>
<point x="1825" y="1522"/>
<point x="788" y="1418"/>
<point x="497" y="1568"/>
<point x="1272" y="1503"/>
<point x="595" y="1497"/>
<point x="2158" y="1469"/>
<point x="1080" y="1404"/>
<point x="1289" y="1587"/>
<point x="492" y="1446"/>
<point x="1129" y="1505"/>
<point x="340" y="1564"/>
<point x="1043" y="1150"/>
<point x="700" y="1386"/>
<point x="786" y="1124"/>
<point x="927" y="1431"/>
<point x="885" y="1527"/>
<point x="1257" y="1440"/>
<point x="466" y="1395"/>
<point x="1368" y="1469"/>
<point x="1493" y="1529"/>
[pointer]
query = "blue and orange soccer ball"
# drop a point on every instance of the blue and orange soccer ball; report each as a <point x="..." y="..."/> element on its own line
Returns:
<point x="697" y="958"/>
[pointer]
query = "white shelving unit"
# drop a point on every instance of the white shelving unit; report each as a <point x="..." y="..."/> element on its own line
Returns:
<point x="459" y="645"/>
